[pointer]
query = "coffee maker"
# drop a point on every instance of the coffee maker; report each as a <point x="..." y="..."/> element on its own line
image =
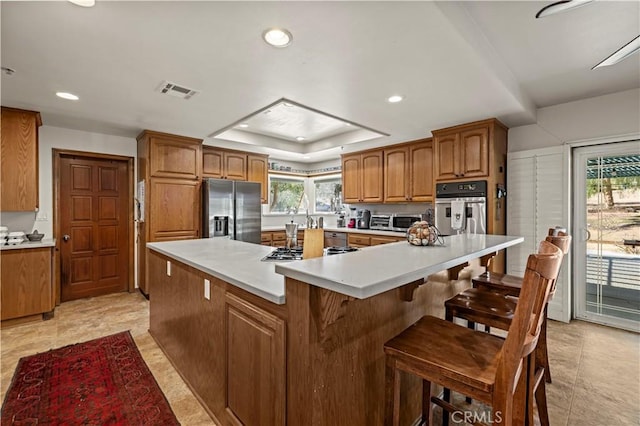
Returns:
<point x="364" y="219"/>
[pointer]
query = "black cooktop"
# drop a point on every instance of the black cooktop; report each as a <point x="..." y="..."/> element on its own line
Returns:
<point x="282" y="254"/>
<point x="339" y="250"/>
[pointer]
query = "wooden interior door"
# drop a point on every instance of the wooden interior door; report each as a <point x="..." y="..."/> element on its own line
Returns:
<point x="94" y="228"/>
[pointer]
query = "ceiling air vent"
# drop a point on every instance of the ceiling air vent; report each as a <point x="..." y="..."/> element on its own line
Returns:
<point x="172" y="89"/>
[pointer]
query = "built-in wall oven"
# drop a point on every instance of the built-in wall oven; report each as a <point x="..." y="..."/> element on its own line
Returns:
<point x="461" y="207"/>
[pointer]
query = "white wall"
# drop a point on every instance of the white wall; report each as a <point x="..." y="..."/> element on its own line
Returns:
<point x="56" y="137"/>
<point x="600" y="117"/>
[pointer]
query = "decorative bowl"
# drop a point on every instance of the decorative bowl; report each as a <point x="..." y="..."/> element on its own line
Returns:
<point x="35" y="236"/>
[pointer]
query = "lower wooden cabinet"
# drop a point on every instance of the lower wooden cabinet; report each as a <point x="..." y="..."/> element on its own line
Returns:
<point x="26" y="282"/>
<point x="230" y="348"/>
<point x="255" y="364"/>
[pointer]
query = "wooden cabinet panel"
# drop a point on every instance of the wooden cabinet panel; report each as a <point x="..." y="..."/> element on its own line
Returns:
<point x="421" y="171"/>
<point x="257" y="171"/>
<point x="372" y="184"/>
<point x="462" y="152"/>
<point x="235" y="164"/>
<point x="173" y="157"/>
<point x="383" y="239"/>
<point x="359" y="240"/>
<point x="474" y="152"/>
<point x="255" y="364"/>
<point x="351" y="178"/>
<point x="26" y="282"/>
<point x="180" y="198"/>
<point x="212" y="162"/>
<point x="362" y="177"/>
<point x="408" y="172"/>
<point x="19" y="158"/>
<point x="223" y="164"/>
<point x="446" y="161"/>
<point x="396" y="174"/>
<point x="171" y="167"/>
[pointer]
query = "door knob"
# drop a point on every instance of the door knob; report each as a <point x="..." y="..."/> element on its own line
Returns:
<point x="66" y="237"/>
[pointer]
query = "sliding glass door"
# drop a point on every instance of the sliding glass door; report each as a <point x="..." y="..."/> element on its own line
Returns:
<point x="606" y="249"/>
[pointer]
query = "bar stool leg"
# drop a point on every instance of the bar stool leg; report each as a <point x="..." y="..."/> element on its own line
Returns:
<point x="541" y="402"/>
<point x="542" y="354"/>
<point x="392" y="394"/>
<point x="426" y="403"/>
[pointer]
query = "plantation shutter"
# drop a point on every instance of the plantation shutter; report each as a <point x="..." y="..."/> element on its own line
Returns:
<point x="537" y="196"/>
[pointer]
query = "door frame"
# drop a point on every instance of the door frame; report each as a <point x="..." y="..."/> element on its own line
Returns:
<point x="578" y="201"/>
<point x="57" y="154"/>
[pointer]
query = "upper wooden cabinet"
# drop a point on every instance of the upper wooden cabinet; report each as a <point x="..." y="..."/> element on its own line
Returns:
<point x="258" y="171"/>
<point x="362" y="177"/>
<point x="408" y="172"/>
<point x="172" y="156"/>
<point x="467" y="151"/>
<point x="224" y="164"/>
<point x="19" y="157"/>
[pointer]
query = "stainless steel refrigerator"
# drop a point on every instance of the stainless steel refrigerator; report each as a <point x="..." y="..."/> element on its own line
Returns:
<point x="232" y="209"/>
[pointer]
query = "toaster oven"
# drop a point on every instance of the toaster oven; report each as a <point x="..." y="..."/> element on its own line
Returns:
<point x="380" y="222"/>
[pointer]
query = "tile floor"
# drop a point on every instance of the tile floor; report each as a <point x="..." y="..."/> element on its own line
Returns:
<point x="596" y="369"/>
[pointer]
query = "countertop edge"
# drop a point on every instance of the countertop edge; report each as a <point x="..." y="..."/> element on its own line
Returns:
<point x="386" y="285"/>
<point x="30" y="245"/>
<point x="275" y="298"/>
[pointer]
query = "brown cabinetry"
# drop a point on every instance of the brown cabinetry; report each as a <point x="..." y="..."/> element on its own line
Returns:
<point x="256" y="386"/>
<point x="26" y="282"/>
<point x="171" y="168"/>
<point x="258" y="171"/>
<point x="223" y="164"/>
<point x="467" y="151"/>
<point x="230" y="348"/>
<point x="362" y="177"/>
<point x="408" y="172"/>
<point x="19" y="158"/>
<point x="366" y="240"/>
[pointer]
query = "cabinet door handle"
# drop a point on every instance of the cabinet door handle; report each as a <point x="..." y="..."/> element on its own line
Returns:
<point x="66" y="237"/>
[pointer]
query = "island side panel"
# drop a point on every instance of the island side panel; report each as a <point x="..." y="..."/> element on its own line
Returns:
<point x="189" y="328"/>
<point x="335" y="363"/>
<point x="229" y="349"/>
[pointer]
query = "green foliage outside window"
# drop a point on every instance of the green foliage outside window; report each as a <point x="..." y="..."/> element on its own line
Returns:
<point x="285" y="195"/>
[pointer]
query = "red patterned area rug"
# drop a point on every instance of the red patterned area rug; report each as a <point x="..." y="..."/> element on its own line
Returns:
<point x="101" y="382"/>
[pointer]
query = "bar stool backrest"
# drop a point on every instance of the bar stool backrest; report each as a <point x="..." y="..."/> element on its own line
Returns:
<point x="541" y="272"/>
<point x="563" y="242"/>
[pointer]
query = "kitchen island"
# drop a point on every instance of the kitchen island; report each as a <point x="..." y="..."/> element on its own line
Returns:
<point x="296" y="343"/>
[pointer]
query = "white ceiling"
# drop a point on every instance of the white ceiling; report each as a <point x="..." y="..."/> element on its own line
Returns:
<point x="453" y="61"/>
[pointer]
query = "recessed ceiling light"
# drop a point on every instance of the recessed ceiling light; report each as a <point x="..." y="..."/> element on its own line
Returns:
<point x="623" y="53"/>
<point x="277" y="37"/>
<point x="68" y="96"/>
<point x="299" y="138"/>
<point x="243" y="125"/>
<point x="560" y="6"/>
<point x="84" y="3"/>
<point x="394" y="99"/>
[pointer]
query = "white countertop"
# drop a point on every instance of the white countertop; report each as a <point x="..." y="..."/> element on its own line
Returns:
<point x="48" y="242"/>
<point x="377" y="269"/>
<point x="235" y="262"/>
<point x="359" y="274"/>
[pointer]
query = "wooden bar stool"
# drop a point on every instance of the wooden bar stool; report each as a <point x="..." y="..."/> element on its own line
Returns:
<point x="511" y="285"/>
<point x="477" y="364"/>
<point x="496" y="308"/>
